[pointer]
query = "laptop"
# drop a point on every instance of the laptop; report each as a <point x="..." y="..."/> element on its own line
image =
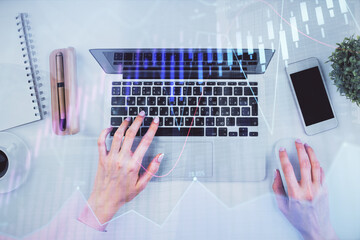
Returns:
<point x="211" y="128"/>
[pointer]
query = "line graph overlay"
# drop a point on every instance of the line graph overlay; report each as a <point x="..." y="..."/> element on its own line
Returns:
<point x="194" y="188"/>
<point x="269" y="126"/>
<point x="272" y="125"/>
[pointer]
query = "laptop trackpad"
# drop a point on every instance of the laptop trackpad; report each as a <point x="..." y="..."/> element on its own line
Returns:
<point x="193" y="160"/>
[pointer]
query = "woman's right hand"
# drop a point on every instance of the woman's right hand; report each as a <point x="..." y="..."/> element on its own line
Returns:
<point x="306" y="205"/>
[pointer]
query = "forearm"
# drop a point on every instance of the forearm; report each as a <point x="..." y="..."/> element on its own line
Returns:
<point x="89" y="218"/>
<point x="327" y="233"/>
<point x="98" y="211"/>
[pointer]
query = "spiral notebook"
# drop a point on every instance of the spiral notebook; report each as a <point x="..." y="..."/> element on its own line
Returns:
<point x="20" y="96"/>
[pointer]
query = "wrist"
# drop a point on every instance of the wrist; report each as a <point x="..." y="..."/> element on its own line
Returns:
<point x="103" y="209"/>
<point x="325" y="233"/>
<point x="88" y="217"/>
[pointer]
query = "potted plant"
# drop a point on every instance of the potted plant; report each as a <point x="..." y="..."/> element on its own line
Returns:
<point x="345" y="63"/>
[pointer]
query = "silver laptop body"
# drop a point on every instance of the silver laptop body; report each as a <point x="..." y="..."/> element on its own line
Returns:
<point x="193" y="137"/>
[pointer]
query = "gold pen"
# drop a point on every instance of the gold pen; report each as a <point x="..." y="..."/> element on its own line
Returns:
<point x="61" y="90"/>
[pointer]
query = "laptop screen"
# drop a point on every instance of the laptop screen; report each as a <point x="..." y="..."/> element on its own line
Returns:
<point x="183" y="63"/>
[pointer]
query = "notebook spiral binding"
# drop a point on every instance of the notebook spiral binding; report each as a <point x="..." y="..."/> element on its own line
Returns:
<point x="30" y="60"/>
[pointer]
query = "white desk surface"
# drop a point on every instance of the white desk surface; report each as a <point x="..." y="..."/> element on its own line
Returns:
<point x="62" y="165"/>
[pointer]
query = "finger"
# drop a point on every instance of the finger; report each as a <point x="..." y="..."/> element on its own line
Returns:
<point x="315" y="165"/>
<point x="322" y="176"/>
<point x="280" y="195"/>
<point x="146" y="140"/>
<point x="150" y="172"/>
<point x="288" y="171"/>
<point x="131" y="132"/>
<point x="278" y="186"/>
<point x="102" y="142"/>
<point x="118" y="136"/>
<point x="304" y="162"/>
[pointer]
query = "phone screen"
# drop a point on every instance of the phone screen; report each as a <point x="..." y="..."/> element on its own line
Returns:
<point x="311" y="95"/>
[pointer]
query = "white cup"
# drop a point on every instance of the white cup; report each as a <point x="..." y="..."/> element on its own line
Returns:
<point x="15" y="164"/>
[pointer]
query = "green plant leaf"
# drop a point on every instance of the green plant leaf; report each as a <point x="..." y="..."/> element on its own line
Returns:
<point x="345" y="63"/>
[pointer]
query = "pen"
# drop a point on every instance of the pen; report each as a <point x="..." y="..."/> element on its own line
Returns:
<point x="61" y="90"/>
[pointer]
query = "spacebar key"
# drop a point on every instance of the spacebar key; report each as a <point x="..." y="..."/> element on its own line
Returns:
<point x="180" y="132"/>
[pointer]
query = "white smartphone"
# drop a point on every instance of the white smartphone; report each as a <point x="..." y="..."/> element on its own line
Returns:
<point x="311" y="96"/>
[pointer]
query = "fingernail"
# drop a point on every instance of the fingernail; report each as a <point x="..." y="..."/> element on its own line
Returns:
<point x="282" y="149"/>
<point x="275" y="173"/>
<point x="306" y="145"/>
<point x="160" y="158"/>
<point x="128" y="119"/>
<point x="142" y="113"/>
<point x="156" y="120"/>
<point x="298" y="140"/>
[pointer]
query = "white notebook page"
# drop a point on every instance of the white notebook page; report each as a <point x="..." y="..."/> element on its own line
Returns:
<point x="16" y="102"/>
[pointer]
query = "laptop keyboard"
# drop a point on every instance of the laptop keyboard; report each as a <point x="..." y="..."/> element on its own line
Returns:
<point x="188" y="108"/>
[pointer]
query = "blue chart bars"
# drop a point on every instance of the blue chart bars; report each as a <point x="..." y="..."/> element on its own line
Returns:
<point x="185" y="63"/>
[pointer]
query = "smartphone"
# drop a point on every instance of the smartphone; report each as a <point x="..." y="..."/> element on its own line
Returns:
<point x="311" y="96"/>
